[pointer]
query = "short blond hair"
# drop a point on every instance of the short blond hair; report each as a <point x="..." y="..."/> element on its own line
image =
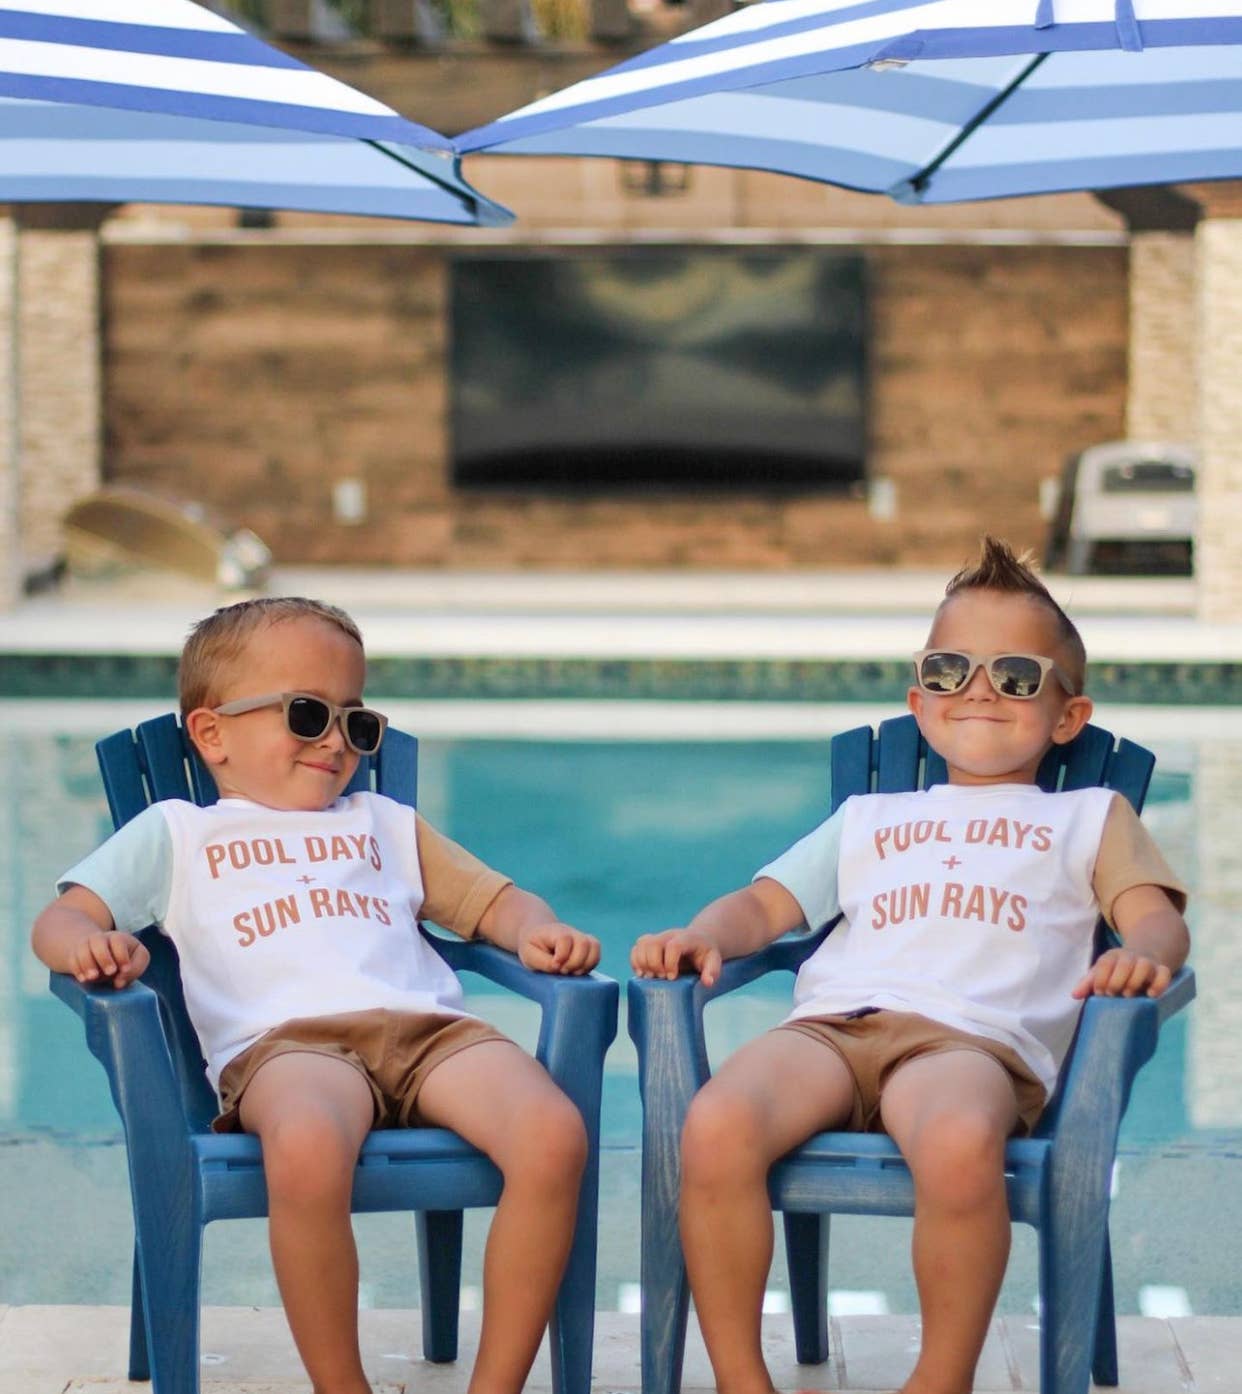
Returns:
<point x="1000" y="568"/>
<point x="216" y="643"/>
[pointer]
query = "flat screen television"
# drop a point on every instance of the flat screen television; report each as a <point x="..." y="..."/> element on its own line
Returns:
<point x="659" y="368"/>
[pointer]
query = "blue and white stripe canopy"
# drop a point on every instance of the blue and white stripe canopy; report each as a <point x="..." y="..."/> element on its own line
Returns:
<point x="927" y="100"/>
<point x="164" y="101"/>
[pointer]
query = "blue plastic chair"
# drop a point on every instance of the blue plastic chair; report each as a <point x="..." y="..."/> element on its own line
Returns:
<point x="182" y="1176"/>
<point x="1058" y="1180"/>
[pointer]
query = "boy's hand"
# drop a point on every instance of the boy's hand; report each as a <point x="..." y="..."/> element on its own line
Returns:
<point x="1124" y="973"/>
<point x="110" y="954"/>
<point x="665" y="955"/>
<point x="557" y="948"/>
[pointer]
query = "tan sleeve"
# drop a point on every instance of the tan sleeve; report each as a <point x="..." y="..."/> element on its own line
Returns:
<point x="1128" y="857"/>
<point x="457" y="886"/>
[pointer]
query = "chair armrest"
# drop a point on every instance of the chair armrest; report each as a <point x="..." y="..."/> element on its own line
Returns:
<point x="578" y="1020"/>
<point x="1116" y="1037"/>
<point x="786" y="954"/>
<point x="125" y="1033"/>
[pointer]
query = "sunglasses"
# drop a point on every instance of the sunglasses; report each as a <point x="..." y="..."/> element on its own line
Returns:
<point x="942" y="672"/>
<point x="309" y="718"/>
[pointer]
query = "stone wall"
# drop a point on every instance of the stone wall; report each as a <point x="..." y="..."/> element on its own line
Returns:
<point x="255" y="376"/>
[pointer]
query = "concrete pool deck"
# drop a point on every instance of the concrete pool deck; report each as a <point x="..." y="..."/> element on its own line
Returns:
<point x="726" y="637"/>
<point x="867" y="614"/>
<point x="248" y="1350"/>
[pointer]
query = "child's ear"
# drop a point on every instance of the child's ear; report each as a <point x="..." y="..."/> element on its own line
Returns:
<point x="202" y="725"/>
<point x="1074" y="716"/>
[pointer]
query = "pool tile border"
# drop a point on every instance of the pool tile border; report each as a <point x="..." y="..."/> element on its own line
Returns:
<point x="497" y="678"/>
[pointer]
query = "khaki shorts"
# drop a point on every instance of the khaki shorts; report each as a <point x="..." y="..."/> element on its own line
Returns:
<point x="873" y="1043"/>
<point x="393" y="1051"/>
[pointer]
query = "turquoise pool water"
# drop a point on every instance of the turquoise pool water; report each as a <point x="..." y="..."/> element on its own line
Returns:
<point x="622" y="838"/>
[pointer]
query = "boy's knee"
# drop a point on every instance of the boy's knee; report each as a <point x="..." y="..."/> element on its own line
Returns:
<point x="721" y="1140"/>
<point x="550" y="1140"/>
<point x="959" y="1158"/>
<point x="308" y="1159"/>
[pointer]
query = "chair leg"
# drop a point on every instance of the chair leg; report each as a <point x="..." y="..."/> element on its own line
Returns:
<point x="571" y="1332"/>
<point x="170" y="1251"/>
<point x="1069" y="1289"/>
<point x="806" y="1250"/>
<point x="1104" y="1358"/>
<point x="439" y="1274"/>
<point x="139" y="1366"/>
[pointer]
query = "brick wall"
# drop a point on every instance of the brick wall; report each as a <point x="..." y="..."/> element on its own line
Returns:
<point x="254" y="375"/>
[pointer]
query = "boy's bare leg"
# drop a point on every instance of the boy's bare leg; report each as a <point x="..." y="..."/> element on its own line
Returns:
<point x="312" y="1113"/>
<point x="504" y="1102"/>
<point x="768" y="1097"/>
<point x="950" y="1114"/>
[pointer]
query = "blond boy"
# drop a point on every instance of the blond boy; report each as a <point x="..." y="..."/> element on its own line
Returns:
<point x="321" y="1010"/>
<point x="941" y="1006"/>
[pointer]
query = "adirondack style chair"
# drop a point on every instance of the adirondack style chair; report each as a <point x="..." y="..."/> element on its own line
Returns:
<point x="182" y="1176"/>
<point x="1058" y="1180"/>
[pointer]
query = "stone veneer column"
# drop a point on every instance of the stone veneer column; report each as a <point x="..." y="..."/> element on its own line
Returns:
<point x="1163" y="399"/>
<point x="1214" y="1083"/>
<point x="10" y="483"/>
<point x="59" y="373"/>
<point x="1218" y="557"/>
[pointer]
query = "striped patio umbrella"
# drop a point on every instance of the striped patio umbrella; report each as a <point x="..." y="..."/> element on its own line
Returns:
<point x="927" y="100"/>
<point x="163" y="101"/>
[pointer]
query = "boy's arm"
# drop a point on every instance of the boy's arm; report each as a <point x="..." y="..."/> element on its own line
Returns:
<point x="526" y="925"/>
<point x="730" y="927"/>
<point x="1155" y="944"/>
<point x="75" y="934"/>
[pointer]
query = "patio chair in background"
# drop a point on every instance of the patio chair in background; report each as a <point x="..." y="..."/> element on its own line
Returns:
<point x="182" y="1176"/>
<point x="1058" y="1180"/>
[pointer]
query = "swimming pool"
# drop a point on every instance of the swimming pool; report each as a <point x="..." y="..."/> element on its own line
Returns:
<point x="623" y="838"/>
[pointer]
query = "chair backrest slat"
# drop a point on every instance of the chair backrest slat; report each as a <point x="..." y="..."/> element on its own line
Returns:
<point x="850" y="761"/>
<point x="1130" y="771"/>
<point x="157" y="762"/>
<point x="120" y="763"/>
<point x="163" y="754"/>
<point x="396" y="767"/>
<point x="900" y="748"/>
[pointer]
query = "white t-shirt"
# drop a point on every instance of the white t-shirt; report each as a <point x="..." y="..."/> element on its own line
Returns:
<point x="972" y="905"/>
<point x="275" y="913"/>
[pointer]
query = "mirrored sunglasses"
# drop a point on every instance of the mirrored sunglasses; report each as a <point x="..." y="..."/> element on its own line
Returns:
<point x="308" y="718"/>
<point x="942" y="672"/>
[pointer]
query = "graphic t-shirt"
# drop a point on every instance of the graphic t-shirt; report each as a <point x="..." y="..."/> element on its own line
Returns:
<point x="972" y="905"/>
<point x="279" y="914"/>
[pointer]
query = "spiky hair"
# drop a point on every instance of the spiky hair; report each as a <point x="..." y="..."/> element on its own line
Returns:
<point x="1000" y="568"/>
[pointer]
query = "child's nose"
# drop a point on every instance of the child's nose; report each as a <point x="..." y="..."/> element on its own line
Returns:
<point x="334" y="736"/>
<point x="980" y="684"/>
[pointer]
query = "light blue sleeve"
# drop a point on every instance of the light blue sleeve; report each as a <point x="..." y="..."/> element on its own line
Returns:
<point x="131" y="873"/>
<point x="808" y="871"/>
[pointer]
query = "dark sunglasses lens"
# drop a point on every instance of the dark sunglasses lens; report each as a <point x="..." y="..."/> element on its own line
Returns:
<point x="308" y="718"/>
<point x="365" y="730"/>
<point x="943" y="672"/>
<point x="1014" y="675"/>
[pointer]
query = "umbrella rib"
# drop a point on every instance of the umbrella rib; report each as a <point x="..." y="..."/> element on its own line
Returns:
<point x="911" y="190"/>
<point x="487" y="212"/>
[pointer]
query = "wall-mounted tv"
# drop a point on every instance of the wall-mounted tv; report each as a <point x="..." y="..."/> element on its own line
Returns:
<point x="659" y="368"/>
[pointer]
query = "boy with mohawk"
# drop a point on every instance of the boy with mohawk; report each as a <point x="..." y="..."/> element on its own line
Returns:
<point x="940" y="1008"/>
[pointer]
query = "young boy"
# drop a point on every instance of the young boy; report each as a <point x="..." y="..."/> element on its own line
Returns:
<point x="321" y="1011"/>
<point x="941" y="1006"/>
